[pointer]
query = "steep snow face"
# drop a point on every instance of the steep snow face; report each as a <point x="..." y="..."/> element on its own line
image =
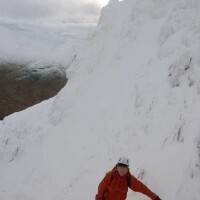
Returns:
<point x="133" y="90"/>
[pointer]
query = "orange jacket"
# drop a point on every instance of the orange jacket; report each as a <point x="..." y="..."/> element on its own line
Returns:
<point x="114" y="187"/>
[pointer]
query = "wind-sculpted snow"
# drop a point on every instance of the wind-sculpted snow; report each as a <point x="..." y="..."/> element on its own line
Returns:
<point x="133" y="90"/>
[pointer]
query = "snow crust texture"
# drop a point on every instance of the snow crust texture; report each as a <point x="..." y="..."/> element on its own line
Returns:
<point x="133" y="90"/>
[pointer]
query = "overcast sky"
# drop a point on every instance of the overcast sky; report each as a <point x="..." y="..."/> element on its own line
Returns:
<point x="38" y="9"/>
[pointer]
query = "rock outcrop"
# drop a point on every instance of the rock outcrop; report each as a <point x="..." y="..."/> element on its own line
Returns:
<point x="22" y="86"/>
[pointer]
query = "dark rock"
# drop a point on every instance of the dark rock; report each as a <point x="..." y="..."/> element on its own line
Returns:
<point x="22" y="87"/>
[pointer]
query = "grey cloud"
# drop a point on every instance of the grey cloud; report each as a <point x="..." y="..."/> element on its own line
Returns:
<point x="34" y="9"/>
<point x="24" y="9"/>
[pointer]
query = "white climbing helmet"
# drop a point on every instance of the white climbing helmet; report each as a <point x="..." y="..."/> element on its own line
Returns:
<point x="123" y="161"/>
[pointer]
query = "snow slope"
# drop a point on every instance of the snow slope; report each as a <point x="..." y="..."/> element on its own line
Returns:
<point x="133" y="90"/>
<point x="43" y="43"/>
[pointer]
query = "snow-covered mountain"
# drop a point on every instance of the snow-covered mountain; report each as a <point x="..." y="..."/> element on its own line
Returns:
<point x="36" y="43"/>
<point x="133" y="90"/>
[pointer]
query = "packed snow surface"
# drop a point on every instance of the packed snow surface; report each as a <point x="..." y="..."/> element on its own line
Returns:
<point x="133" y="90"/>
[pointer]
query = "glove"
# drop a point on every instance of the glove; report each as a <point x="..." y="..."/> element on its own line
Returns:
<point x="157" y="198"/>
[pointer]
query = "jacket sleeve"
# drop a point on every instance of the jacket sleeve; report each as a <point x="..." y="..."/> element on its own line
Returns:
<point x="138" y="186"/>
<point x="103" y="186"/>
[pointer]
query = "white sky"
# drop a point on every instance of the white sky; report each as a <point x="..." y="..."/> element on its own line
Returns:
<point x="37" y="9"/>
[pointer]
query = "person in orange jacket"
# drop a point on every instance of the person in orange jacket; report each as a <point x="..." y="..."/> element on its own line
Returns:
<point x="115" y="184"/>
